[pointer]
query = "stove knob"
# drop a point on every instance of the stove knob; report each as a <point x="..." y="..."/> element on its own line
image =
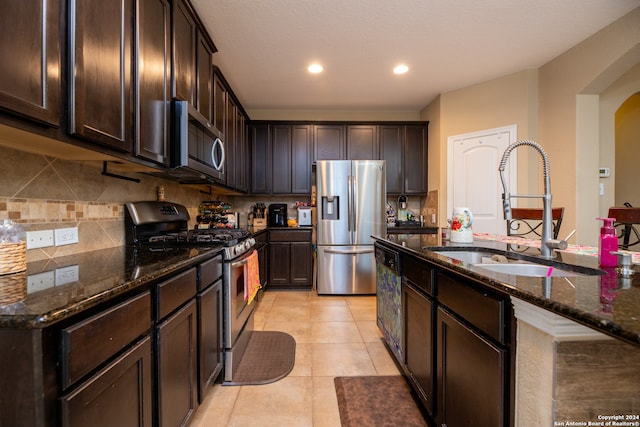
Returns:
<point x="238" y="249"/>
<point x="248" y="243"/>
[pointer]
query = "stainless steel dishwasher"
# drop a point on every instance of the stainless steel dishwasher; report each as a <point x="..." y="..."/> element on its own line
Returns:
<point x="389" y="298"/>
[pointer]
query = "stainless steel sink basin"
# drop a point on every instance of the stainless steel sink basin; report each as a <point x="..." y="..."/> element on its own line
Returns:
<point x="482" y="261"/>
<point x="525" y="269"/>
<point x="470" y="257"/>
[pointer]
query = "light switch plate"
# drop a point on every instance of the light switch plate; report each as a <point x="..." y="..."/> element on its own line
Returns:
<point x="39" y="239"/>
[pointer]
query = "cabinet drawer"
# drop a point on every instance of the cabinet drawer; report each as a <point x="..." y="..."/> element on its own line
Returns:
<point x="210" y="271"/>
<point x="128" y="378"/>
<point x="290" y="235"/>
<point x="89" y="343"/>
<point x="482" y="309"/>
<point x="176" y="291"/>
<point x="418" y="273"/>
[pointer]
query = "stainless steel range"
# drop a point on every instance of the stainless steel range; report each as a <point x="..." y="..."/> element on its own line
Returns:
<point x="163" y="225"/>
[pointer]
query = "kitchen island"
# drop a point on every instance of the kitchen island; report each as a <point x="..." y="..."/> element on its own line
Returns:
<point x="109" y="335"/>
<point x="574" y="352"/>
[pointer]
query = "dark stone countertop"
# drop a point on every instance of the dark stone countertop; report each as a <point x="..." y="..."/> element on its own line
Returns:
<point x="101" y="275"/>
<point x="608" y="303"/>
<point x="412" y="230"/>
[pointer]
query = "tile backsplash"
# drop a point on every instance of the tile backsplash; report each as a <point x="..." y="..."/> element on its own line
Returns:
<point x="42" y="193"/>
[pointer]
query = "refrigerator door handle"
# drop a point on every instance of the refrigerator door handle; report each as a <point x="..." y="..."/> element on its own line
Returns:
<point x="349" y="205"/>
<point x="348" y="252"/>
<point x="354" y="207"/>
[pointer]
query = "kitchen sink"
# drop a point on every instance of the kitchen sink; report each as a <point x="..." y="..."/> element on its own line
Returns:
<point x="525" y="269"/>
<point x="483" y="261"/>
<point x="469" y="257"/>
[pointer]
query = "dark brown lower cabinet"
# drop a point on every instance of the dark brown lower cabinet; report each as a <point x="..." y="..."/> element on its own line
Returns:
<point x="99" y="401"/>
<point x="177" y="367"/>
<point x="418" y="312"/>
<point x="210" y="336"/>
<point x="471" y="376"/>
<point x="290" y="258"/>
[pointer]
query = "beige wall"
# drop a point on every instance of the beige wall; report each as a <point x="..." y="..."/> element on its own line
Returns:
<point x="509" y="100"/>
<point x="557" y="105"/>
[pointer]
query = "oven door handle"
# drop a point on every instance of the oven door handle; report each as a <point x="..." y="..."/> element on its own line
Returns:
<point x="243" y="261"/>
<point x="239" y="263"/>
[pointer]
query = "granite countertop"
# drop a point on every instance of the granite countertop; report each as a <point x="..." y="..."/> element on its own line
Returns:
<point x="412" y="230"/>
<point x="51" y="292"/>
<point x="608" y="303"/>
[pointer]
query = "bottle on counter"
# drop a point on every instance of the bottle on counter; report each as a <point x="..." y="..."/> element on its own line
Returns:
<point x="608" y="244"/>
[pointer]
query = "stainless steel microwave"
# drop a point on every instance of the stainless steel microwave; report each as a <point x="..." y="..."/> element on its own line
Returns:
<point x="197" y="147"/>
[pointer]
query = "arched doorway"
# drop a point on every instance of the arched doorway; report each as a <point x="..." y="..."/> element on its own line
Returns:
<point x="627" y="152"/>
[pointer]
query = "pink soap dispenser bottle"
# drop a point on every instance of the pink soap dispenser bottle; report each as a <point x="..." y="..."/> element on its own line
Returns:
<point x="608" y="244"/>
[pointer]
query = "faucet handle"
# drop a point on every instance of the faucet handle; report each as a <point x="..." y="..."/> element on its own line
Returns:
<point x="624" y="262"/>
<point x="570" y="235"/>
<point x="560" y="244"/>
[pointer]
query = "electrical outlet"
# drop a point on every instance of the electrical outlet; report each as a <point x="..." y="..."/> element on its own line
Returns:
<point x="66" y="275"/>
<point x="39" y="239"/>
<point x="66" y="236"/>
<point x="433" y="218"/>
<point x="40" y="281"/>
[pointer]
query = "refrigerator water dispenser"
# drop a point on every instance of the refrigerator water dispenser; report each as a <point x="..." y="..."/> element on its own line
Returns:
<point x="330" y="207"/>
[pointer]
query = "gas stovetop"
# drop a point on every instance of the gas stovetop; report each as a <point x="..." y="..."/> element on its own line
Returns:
<point x="160" y="225"/>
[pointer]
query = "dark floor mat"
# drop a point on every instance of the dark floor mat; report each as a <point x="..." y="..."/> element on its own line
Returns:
<point x="376" y="401"/>
<point x="270" y="356"/>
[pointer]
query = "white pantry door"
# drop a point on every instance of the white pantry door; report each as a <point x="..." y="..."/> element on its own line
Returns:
<point x="474" y="179"/>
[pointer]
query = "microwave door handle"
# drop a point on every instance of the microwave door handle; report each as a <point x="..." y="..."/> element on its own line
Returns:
<point x="217" y="165"/>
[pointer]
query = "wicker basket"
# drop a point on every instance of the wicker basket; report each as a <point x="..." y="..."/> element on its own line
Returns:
<point x="13" y="257"/>
<point x="13" y="288"/>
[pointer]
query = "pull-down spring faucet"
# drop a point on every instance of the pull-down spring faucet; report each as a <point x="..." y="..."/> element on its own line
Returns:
<point x="547" y="243"/>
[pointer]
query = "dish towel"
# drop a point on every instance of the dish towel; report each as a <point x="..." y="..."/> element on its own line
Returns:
<point x="251" y="278"/>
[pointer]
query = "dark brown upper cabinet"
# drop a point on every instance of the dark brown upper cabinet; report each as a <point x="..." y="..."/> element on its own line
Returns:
<point x="362" y="142"/>
<point x="281" y="158"/>
<point x="261" y="163"/>
<point x="281" y="145"/>
<point x="404" y="147"/>
<point x="329" y="142"/>
<point x="229" y="117"/>
<point x="31" y="69"/>
<point x="184" y="53"/>
<point x="391" y="150"/>
<point x="415" y="159"/>
<point x="301" y="153"/>
<point x="204" y="88"/>
<point x="153" y="80"/>
<point x="101" y="70"/>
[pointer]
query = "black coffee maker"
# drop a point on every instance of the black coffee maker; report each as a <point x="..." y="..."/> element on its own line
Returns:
<point x="278" y="215"/>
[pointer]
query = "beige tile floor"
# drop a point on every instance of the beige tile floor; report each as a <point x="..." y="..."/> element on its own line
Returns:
<point x="335" y="336"/>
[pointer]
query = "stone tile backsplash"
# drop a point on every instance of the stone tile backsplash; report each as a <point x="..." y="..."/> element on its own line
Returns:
<point x="42" y="193"/>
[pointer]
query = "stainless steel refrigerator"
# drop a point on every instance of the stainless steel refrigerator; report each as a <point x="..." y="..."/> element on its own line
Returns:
<point x="351" y="199"/>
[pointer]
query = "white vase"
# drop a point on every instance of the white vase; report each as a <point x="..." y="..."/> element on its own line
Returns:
<point x="461" y="225"/>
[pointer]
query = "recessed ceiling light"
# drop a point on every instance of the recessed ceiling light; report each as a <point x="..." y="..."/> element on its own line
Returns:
<point x="315" y="68"/>
<point x="400" y="69"/>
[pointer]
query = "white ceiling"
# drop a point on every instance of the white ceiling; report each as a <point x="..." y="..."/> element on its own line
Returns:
<point x="265" y="46"/>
